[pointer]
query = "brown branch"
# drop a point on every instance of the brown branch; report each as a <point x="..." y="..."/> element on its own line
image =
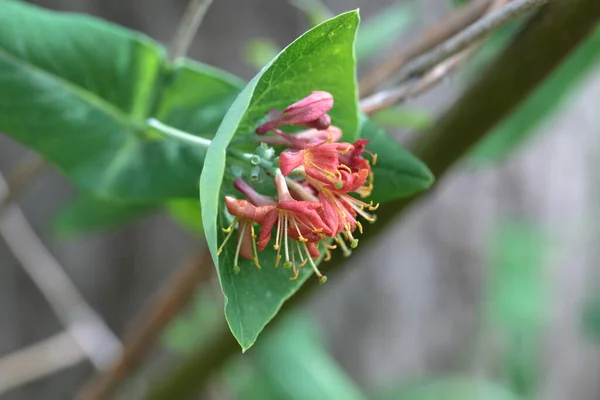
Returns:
<point x="556" y="30"/>
<point x="150" y="324"/>
<point x="413" y="88"/>
<point x="435" y="35"/>
<point x="23" y="174"/>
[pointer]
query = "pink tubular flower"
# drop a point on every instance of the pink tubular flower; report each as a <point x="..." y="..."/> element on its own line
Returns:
<point x="298" y="225"/>
<point x="320" y="161"/>
<point x="246" y="214"/>
<point x="301" y="139"/>
<point x="310" y="111"/>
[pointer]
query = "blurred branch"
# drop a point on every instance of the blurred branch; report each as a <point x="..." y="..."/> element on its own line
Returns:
<point x="408" y="90"/>
<point x="18" y="180"/>
<point x="190" y="22"/>
<point x="150" y="324"/>
<point x="435" y="35"/>
<point x="413" y="88"/>
<point x="38" y="360"/>
<point x="86" y="327"/>
<point x="549" y="36"/>
<point x="467" y="37"/>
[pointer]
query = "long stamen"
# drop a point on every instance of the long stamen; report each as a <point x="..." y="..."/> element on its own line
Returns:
<point x="346" y="251"/>
<point x="287" y="263"/>
<point x="276" y="246"/>
<point x="254" y="249"/>
<point x="300" y="237"/>
<point x="229" y="231"/>
<point x="236" y="268"/>
<point x="322" y="278"/>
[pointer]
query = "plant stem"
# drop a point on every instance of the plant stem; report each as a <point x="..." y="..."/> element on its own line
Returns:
<point x="540" y="47"/>
<point x="179" y="135"/>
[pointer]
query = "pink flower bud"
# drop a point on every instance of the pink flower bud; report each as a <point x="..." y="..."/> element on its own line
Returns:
<point x="311" y="111"/>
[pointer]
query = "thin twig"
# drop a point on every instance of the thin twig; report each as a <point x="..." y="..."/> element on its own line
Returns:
<point x="413" y="88"/>
<point x="190" y="22"/>
<point x="39" y="360"/>
<point x="150" y="324"/>
<point x="517" y="71"/>
<point x="474" y="33"/>
<point x="19" y="179"/>
<point x="82" y="322"/>
<point x="438" y="33"/>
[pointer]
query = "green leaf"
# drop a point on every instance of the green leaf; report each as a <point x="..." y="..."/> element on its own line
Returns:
<point x="304" y="371"/>
<point x="451" y="389"/>
<point x="517" y="297"/>
<point x="79" y="91"/>
<point x="187" y="213"/>
<point x="542" y="104"/>
<point x="87" y="213"/>
<point x="591" y="318"/>
<point x="195" y="97"/>
<point x="383" y="29"/>
<point x="196" y="324"/>
<point x="321" y="59"/>
<point x="316" y="11"/>
<point x="259" y="52"/>
<point x="397" y="172"/>
<point x="403" y="118"/>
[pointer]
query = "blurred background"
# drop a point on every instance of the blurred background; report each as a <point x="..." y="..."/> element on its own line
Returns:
<point x="486" y="289"/>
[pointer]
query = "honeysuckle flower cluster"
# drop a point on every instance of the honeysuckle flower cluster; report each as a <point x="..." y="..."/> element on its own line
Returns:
<point x="314" y="210"/>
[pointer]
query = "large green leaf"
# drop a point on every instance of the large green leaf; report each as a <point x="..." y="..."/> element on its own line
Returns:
<point x="542" y="104"/>
<point x="321" y="59"/>
<point x="397" y="173"/>
<point x="79" y="91"/>
<point x="87" y="213"/>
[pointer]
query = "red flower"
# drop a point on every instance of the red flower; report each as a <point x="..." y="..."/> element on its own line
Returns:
<point x="298" y="225"/>
<point x="310" y="111"/>
<point x="246" y="214"/>
<point x="320" y="161"/>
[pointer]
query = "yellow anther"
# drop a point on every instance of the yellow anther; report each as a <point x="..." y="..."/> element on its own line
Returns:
<point x="345" y="167"/>
<point x="374" y="159"/>
<point x="327" y="256"/>
<point x="360" y="228"/>
<point x="302" y="239"/>
<point x="277" y="259"/>
<point x="296" y="273"/>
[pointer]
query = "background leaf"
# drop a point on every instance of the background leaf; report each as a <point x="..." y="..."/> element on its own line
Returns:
<point x="259" y="52"/>
<point x="304" y="371"/>
<point x="187" y="213"/>
<point x="84" y="106"/>
<point x="397" y="172"/>
<point x="516" y="299"/>
<point x="87" y="213"/>
<point x="382" y="29"/>
<point x="404" y="118"/>
<point x="321" y="59"/>
<point x="451" y="389"/>
<point x="542" y="104"/>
